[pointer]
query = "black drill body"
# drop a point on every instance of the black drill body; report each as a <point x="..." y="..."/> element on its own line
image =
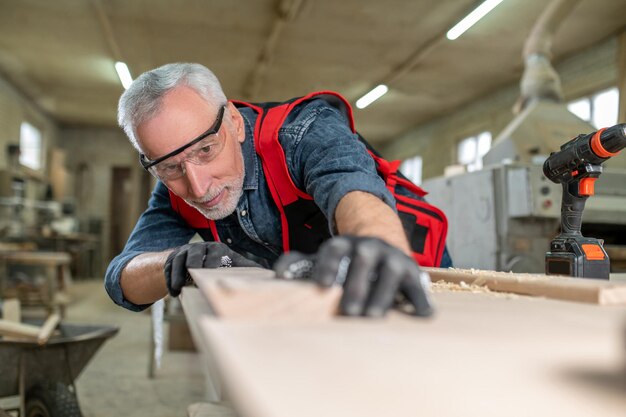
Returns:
<point x="576" y="166"/>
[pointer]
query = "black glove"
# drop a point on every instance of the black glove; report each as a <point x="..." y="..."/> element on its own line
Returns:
<point x="371" y="271"/>
<point x="199" y="255"/>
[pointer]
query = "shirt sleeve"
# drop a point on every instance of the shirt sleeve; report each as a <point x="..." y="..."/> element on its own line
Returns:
<point x="159" y="228"/>
<point x="328" y="161"/>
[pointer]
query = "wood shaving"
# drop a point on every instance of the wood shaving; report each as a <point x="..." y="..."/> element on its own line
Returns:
<point x="443" y="286"/>
<point x="495" y="274"/>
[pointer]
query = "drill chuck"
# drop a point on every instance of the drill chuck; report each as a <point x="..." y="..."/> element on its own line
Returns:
<point x="613" y="139"/>
<point x="591" y="149"/>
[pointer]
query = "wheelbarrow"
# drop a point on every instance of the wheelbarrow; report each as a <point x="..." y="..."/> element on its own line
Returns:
<point x="38" y="380"/>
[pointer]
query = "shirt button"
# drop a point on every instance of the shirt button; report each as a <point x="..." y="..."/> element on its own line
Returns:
<point x="265" y="243"/>
<point x="243" y="213"/>
<point x="229" y="240"/>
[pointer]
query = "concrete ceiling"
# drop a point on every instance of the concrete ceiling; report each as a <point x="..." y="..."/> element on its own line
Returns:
<point x="60" y="53"/>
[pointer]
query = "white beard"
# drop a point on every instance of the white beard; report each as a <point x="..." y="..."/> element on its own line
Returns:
<point x="226" y="207"/>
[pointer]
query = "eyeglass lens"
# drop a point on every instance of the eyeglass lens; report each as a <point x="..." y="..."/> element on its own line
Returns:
<point x="201" y="153"/>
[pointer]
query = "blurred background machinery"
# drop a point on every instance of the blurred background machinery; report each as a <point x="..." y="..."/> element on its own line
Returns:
<point x="504" y="216"/>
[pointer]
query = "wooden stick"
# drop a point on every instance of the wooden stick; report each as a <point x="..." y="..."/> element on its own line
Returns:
<point x="48" y="327"/>
<point x="584" y="290"/>
<point x="10" y="328"/>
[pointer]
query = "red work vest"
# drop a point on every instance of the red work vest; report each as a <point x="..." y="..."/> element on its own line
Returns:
<point x="304" y="226"/>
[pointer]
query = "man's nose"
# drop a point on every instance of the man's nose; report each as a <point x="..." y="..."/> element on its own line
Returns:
<point x="198" y="179"/>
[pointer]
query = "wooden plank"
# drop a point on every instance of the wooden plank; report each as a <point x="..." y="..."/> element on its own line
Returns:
<point x="480" y="355"/>
<point x="9" y="328"/>
<point x="239" y="293"/>
<point x="195" y="305"/>
<point x="21" y="246"/>
<point x="37" y="258"/>
<point x="11" y="310"/>
<point x="584" y="290"/>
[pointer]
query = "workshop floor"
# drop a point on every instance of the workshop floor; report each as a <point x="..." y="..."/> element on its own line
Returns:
<point x="115" y="382"/>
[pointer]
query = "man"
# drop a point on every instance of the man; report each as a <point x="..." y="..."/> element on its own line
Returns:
<point x="201" y="148"/>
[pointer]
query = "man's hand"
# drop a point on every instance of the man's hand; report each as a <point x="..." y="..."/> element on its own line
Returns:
<point x="371" y="271"/>
<point x="199" y="255"/>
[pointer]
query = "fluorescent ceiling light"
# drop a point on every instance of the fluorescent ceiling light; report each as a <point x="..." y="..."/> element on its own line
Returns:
<point x="372" y="96"/>
<point x="124" y="74"/>
<point x="471" y="19"/>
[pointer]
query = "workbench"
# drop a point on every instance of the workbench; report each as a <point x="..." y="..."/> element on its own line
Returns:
<point x="482" y="354"/>
<point x="52" y="293"/>
<point x="83" y="248"/>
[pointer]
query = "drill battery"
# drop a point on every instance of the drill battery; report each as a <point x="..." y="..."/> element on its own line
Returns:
<point x="578" y="257"/>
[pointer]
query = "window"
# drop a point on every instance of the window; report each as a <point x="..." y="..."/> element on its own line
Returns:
<point x="470" y="151"/>
<point x="412" y="169"/>
<point x="581" y="108"/>
<point x="599" y="109"/>
<point x="30" y="146"/>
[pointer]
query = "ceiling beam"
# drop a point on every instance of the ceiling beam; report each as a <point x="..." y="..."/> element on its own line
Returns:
<point x="107" y="30"/>
<point x="287" y="12"/>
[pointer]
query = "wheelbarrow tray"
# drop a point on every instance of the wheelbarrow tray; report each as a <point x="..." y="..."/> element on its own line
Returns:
<point x="62" y="359"/>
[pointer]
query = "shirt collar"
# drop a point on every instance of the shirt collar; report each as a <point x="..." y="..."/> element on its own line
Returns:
<point x="250" y="158"/>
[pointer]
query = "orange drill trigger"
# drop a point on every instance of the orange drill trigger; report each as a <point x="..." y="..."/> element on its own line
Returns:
<point x="586" y="186"/>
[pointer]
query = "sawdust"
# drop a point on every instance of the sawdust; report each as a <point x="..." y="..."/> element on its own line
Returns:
<point x="444" y="286"/>
<point x="485" y="274"/>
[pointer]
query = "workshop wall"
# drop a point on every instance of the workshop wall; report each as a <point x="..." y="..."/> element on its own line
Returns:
<point x="581" y="74"/>
<point x="93" y="153"/>
<point x="19" y="220"/>
<point x="15" y="108"/>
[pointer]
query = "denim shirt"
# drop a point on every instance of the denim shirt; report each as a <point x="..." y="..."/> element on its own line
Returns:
<point x="324" y="158"/>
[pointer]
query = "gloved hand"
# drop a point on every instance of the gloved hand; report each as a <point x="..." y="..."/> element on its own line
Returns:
<point x="371" y="271"/>
<point x="199" y="255"/>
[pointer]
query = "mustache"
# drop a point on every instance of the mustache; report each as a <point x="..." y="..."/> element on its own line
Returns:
<point x="209" y="196"/>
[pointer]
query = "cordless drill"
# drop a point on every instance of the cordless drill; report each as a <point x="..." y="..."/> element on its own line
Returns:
<point x="576" y="166"/>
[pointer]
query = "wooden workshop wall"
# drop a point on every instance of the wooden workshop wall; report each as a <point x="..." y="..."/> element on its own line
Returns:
<point x="584" y="73"/>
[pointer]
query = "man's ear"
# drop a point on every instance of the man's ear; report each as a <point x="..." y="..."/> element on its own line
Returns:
<point x="236" y="120"/>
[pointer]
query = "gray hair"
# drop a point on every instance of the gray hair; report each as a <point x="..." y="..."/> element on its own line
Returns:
<point x="142" y="100"/>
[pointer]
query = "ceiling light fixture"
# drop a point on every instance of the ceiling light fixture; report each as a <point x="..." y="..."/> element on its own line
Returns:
<point x="376" y="93"/>
<point x="124" y="74"/>
<point x="471" y="19"/>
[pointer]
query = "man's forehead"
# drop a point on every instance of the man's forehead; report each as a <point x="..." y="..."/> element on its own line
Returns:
<point x="186" y="100"/>
<point x="182" y="114"/>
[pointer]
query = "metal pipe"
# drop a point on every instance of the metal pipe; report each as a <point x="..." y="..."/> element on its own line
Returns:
<point x="540" y="81"/>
